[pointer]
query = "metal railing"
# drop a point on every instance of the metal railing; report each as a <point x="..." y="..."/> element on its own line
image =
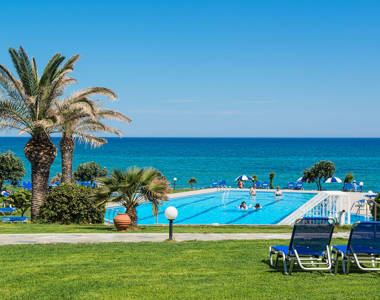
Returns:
<point x="301" y="212"/>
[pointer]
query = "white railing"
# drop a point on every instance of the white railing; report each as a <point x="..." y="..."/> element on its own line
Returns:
<point x="324" y="204"/>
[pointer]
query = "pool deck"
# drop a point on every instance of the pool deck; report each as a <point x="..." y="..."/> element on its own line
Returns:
<point x="83" y="238"/>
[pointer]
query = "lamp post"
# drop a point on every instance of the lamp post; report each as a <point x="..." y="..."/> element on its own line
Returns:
<point x="171" y="213"/>
<point x="175" y="181"/>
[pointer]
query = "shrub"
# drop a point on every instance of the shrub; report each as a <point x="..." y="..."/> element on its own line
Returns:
<point x="21" y="200"/>
<point x="69" y="203"/>
<point x="271" y="176"/>
<point x="349" y="177"/>
<point x="11" y="168"/>
<point x="376" y="206"/>
<point x="192" y="181"/>
<point x="89" y="171"/>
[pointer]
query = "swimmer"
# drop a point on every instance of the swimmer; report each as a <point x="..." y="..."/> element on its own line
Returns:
<point x="252" y="192"/>
<point x="257" y="206"/>
<point x="277" y="192"/>
<point x="243" y="205"/>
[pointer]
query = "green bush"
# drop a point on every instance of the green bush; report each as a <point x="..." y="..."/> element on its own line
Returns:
<point x="376" y="206"/>
<point x="271" y="176"/>
<point x="22" y="200"/>
<point x="68" y="204"/>
<point x="89" y="171"/>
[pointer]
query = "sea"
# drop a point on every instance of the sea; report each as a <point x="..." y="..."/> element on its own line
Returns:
<point x="208" y="159"/>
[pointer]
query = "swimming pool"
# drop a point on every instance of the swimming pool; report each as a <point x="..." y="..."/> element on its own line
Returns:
<point x="221" y="207"/>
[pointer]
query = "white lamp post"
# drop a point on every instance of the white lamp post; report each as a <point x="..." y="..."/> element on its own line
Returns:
<point x="171" y="213"/>
<point x="174" y="180"/>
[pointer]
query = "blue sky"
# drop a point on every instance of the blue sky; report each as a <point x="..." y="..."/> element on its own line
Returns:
<point x="216" y="68"/>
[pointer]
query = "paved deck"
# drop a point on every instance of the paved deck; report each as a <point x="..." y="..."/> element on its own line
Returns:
<point x="77" y="238"/>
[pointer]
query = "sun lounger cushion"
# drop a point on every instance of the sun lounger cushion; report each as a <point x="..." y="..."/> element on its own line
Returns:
<point x="300" y="250"/>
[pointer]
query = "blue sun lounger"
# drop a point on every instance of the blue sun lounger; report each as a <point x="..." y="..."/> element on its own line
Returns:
<point x="14" y="219"/>
<point x="7" y="210"/>
<point x="309" y="246"/>
<point x="290" y="185"/>
<point x="363" y="248"/>
<point x="347" y="187"/>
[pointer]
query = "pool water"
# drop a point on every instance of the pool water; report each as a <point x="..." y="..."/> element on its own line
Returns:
<point x="221" y="207"/>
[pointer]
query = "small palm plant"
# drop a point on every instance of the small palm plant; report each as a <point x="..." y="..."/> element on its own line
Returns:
<point x="27" y="105"/>
<point x="192" y="181"/>
<point x="271" y="177"/>
<point x="133" y="187"/>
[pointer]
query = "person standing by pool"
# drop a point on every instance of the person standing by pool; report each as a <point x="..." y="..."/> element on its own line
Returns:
<point x="252" y="192"/>
<point x="278" y="193"/>
<point x="240" y="184"/>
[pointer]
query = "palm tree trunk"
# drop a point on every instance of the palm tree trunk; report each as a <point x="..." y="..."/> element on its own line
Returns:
<point x="41" y="152"/>
<point x="66" y="146"/>
<point x="132" y="213"/>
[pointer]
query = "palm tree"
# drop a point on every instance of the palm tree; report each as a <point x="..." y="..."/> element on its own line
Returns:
<point x="79" y="117"/>
<point x="27" y="105"/>
<point x="133" y="187"/>
<point x="192" y="181"/>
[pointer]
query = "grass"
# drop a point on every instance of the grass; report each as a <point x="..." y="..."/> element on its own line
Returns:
<point x="188" y="270"/>
<point x="100" y="228"/>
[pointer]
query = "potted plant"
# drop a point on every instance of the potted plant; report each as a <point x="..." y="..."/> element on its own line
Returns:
<point x="132" y="188"/>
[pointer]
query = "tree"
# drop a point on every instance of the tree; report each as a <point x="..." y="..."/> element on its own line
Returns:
<point x="11" y="168"/>
<point x="254" y="178"/>
<point x="349" y="177"/>
<point x="271" y="177"/>
<point x="133" y="187"/>
<point x="27" y="105"/>
<point x="89" y="171"/>
<point x="321" y="170"/>
<point x="79" y="117"/>
<point x="192" y="181"/>
<point x="22" y="200"/>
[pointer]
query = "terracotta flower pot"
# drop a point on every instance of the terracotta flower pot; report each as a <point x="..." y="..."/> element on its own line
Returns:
<point x="122" y="221"/>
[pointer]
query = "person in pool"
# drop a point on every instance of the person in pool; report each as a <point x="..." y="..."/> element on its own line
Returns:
<point x="257" y="206"/>
<point x="252" y="191"/>
<point x="277" y="192"/>
<point x="243" y="205"/>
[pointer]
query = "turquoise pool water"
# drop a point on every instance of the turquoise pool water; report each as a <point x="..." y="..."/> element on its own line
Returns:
<point x="221" y="207"/>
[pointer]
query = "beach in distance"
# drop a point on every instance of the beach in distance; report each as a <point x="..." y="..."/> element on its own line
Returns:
<point x="226" y="158"/>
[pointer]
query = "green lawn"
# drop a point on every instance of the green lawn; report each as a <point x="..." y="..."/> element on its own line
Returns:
<point x="58" y="228"/>
<point x="188" y="270"/>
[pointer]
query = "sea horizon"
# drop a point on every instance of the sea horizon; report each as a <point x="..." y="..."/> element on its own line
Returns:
<point x="217" y="158"/>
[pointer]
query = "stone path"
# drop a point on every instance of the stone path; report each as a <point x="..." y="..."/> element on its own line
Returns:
<point x="76" y="238"/>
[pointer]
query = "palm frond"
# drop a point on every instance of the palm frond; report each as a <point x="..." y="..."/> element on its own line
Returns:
<point x="112" y="114"/>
